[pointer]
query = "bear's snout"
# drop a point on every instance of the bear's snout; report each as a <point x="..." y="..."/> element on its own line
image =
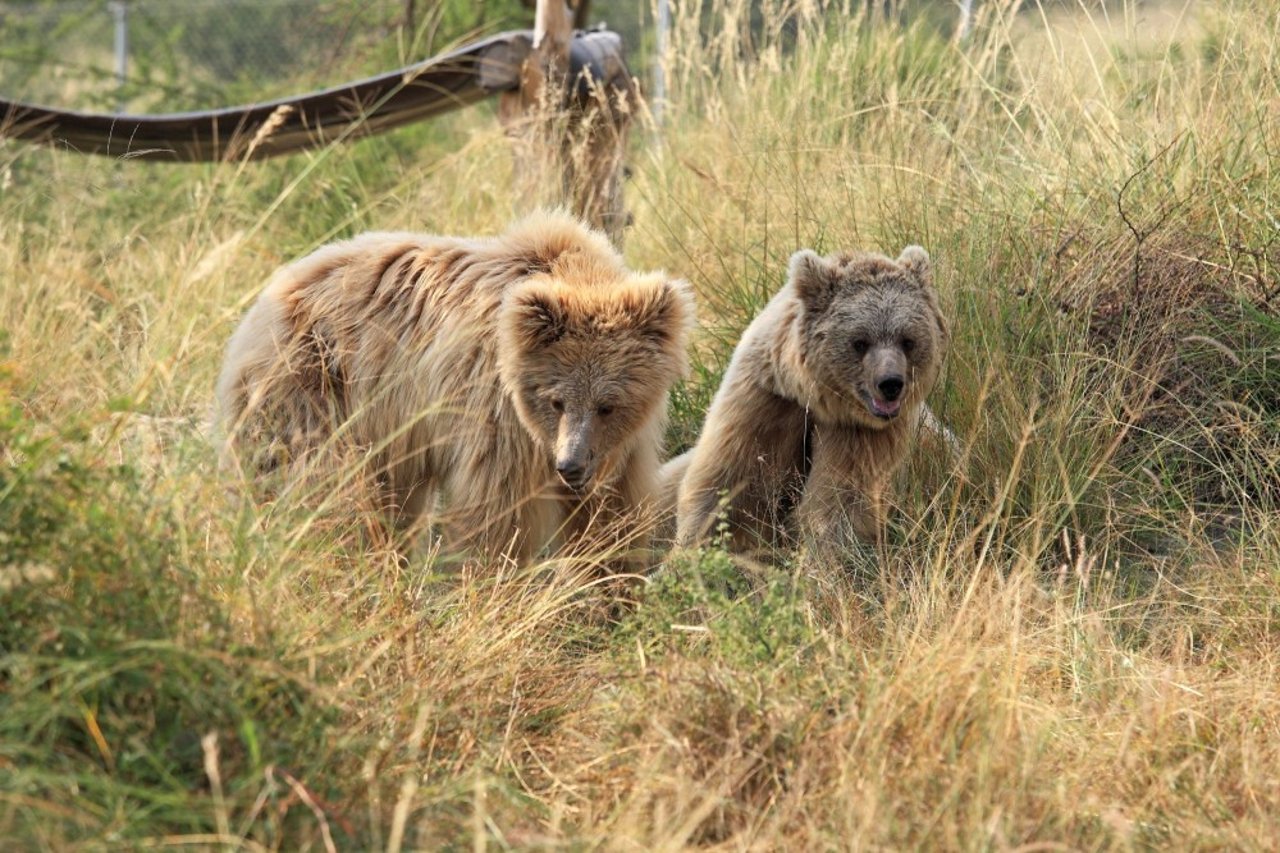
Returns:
<point x="574" y="454"/>
<point x="572" y="473"/>
<point x="890" y="387"/>
<point x="886" y="383"/>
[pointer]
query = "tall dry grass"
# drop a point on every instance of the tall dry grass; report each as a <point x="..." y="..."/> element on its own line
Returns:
<point x="1069" y="641"/>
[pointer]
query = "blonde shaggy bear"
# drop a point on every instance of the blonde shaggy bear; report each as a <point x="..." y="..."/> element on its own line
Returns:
<point x="518" y="382"/>
<point x="818" y="406"/>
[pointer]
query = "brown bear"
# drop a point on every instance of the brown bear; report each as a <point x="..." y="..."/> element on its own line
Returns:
<point x="818" y="405"/>
<point x="518" y="382"/>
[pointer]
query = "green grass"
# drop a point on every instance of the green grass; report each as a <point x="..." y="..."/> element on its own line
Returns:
<point x="1069" y="639"/>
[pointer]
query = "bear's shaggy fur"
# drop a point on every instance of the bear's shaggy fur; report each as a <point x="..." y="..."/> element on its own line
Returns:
<point x="520" y="382"/>
<point x="818" y="405"/>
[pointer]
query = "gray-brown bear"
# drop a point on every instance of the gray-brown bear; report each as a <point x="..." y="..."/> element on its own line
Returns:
<point x="818" y="406"/>
<point x="519" y="382"/>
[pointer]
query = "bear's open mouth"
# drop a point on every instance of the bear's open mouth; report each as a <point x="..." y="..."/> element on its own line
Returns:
<point x="883" y="409"/>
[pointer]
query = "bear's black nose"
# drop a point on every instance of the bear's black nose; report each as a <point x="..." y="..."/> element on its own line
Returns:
<point x="571" y="472"/>
<point x="890" y="387"/>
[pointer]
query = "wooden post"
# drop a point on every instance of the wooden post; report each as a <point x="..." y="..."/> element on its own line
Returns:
<point x="552" y="31"/>
<point x="574" y="127"/>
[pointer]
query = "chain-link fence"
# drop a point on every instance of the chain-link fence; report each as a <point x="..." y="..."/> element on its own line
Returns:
<point x="156" y="55"/>
<point x="175" y="55"/>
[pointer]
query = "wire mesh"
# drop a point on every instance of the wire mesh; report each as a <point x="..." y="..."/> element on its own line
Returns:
<point x="197" y="53"/>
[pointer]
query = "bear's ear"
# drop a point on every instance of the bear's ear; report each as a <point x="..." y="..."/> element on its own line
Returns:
<point x="535" y="317"/>
<point x="665" y="313"/>
<point x="915" y="260"/>
<point x="812" y="277"/>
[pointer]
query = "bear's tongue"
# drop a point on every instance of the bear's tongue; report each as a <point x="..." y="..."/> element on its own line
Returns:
<point x="885" y="407"/>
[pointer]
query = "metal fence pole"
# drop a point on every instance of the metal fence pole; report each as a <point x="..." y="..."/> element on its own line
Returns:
<point x="659" y="66"/>
<point x="966" y="20"/>
<point x="120" y="12"/>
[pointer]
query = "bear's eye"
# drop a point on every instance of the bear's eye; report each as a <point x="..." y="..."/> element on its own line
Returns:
<point x="860" y="347"/>
<point x="557" y="404"/>
<point x="604" y="411"/>
<point x="908" y="344"/>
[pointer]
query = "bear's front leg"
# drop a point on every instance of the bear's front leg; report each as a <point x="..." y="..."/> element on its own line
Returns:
<point x="843" y="500"/>
<point x="498" y="512"/>
<point x="746" y="469"/>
